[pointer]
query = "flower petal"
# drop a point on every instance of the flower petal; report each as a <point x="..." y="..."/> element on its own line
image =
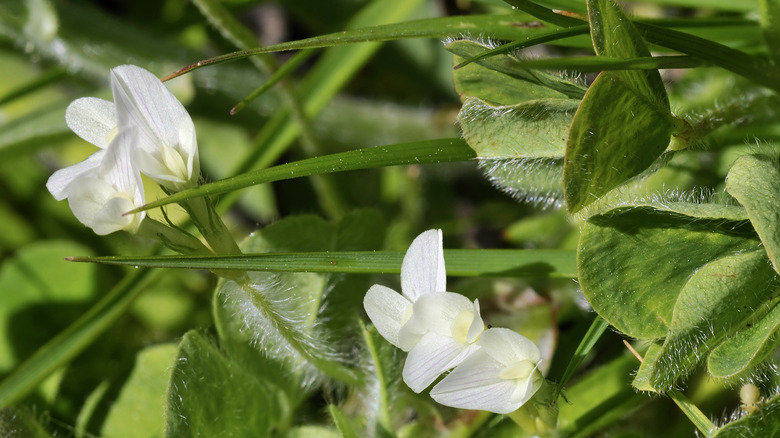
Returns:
<point x="388" y="311"/>
<point x="92" y="119"/>
<point x="422" y="270"/>
<point x="437" y="311"/>
<point x="433" y="355"/>
<point x="60" y="181"/>
<point x="167" y="150"/>
<point x="475" y="384"/>
<point x="509" y="347"/>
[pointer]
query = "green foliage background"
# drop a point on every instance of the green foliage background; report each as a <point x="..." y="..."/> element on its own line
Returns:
<point x="656" y="191"/>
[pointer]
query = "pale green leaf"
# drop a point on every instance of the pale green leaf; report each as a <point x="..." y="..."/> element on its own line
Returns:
<point x="138" y="411"/>
<point x="754" y="180"/>
<point x="747" y="349"/>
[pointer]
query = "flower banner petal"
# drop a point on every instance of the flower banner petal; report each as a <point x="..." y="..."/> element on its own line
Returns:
<point x="422" y="270"/>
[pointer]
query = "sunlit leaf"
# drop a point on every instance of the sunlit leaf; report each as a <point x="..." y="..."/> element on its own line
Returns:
<point x="624" y="122"/>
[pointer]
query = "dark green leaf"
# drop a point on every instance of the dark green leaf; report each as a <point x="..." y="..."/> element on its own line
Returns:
<point x="763" y="421"/>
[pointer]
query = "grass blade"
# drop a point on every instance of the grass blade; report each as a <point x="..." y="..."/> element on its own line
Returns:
<point x="460" y="262"/>
<point x="430" y="151"/>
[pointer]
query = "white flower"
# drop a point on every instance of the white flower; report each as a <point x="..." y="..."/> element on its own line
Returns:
<point x="436" y="327"/>
<point x="499" y="377"/>
<point x="166" y="148"/>
<point x="103" y="187"/>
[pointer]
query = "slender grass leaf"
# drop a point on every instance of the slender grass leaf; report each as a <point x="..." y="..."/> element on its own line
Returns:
<point x="499" y="26"/>
<point x="73" y="340"/>
<point x="754" y="180"/>
<point x="342" y="423"/>
<point x="460" y="262"/>
<point x="209" y="394"/>
<point x="751" y="67"/>
<point x="422" y="152"/>
<point x="746" y="350"/>
<point x="624" y="122"/>
<point x="593" y="334"/>
<point x="724" y="5"/>
<point x="599" y="399"/>
<point x="47" y="77"/>
<point x="770" y="25"/>
<point x="719" y="299"/>
<point x="697" y="417"/>
<point x="633" y="263"/>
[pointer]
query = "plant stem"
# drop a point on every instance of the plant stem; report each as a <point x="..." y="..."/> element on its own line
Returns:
<point x="211" y="226"/>
<point x="693" y="413"/>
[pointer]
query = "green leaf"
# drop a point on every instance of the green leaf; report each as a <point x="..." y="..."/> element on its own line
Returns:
<point x="277" y="312"/>
<point x="717" y="301"/>
<point x="532" y="129"/>
<point x="599" y="398"/>
<point x="20" y="422"/>
<point x="342" y="423"/>
<point x="74" y="339"/>
<point x="430" y="151"/>
<point x="754" y="180"/>
<point x="770" y="25"/>
<point x="45" y="287"/>
<point x="460" y="262"/>
<point x="633" y="262"/>
<point x="764" y="421"/>
<point x="526" y="85"/>
<point x="33" y="131"/>
<point x="642" y="378"/>
<point x="211" y="395"/>
<point x="138" y="411"/>
<point x="593" y="334"/>
<point x="520" y="147"/>
<point x="624" y="122"/>
<point x="747" y="349"/>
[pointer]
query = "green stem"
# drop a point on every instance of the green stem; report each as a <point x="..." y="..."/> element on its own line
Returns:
<point x="693" y="413"/>
<point x="211" y="226"/>
<point x="173" y="238"/>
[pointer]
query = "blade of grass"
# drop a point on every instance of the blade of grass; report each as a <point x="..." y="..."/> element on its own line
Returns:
<point x="593" y="334"/>
<point x="429" y="151"/>
<point x="735" y="61"/>
<point x="73" y="340"/>
<point x="502" y="27"/>
<point x="460" y="262"/>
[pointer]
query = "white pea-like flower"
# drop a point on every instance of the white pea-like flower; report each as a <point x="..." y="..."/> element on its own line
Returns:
<point x="103" y="187"/>
<point x="499" y="377"/>
<point x="437" y="328"/>
<point x="166" y="148"/>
